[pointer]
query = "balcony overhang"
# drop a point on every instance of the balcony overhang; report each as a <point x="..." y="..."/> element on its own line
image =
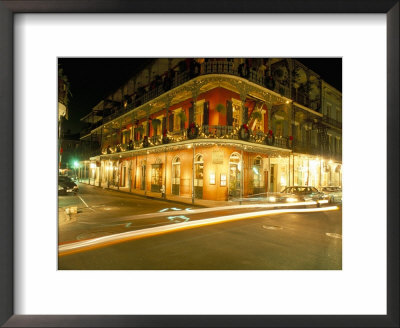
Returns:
<point x="189" y="144"/>
<point x="295" y="104"/>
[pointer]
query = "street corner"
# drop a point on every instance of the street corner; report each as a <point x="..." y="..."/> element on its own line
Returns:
<point x="67" y="215"/>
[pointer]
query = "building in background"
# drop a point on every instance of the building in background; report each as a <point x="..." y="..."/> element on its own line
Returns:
<point x="63" y="98"/>
<point x="215" y="129"/>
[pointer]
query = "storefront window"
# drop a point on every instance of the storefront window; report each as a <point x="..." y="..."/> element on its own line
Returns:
<point x="198" y="170"/>
<point x="156" y="177"/>
<point x="235" y="168"/>
<point x="198" y="176"/>
<point x="176" y="175"/>
<point x="258" y="176"/>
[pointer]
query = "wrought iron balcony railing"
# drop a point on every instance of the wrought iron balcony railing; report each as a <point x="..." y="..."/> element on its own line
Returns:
<point x="214" y="67"/>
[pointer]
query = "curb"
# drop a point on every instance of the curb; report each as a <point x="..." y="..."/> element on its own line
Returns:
<point x="149" y="197"/>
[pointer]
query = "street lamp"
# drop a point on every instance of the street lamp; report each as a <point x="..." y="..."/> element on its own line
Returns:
<point x="76" y="165"/>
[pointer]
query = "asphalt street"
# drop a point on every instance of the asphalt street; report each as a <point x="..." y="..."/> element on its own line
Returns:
<point x="290" y="241"/>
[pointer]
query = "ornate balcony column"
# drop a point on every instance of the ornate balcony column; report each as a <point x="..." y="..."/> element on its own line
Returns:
<point x="133" y="128"/>
<point x="168" y="101"/>
<point x="291" y="118"/>
<point x="147" y="109"/>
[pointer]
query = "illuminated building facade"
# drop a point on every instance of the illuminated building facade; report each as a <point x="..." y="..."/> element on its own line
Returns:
<point x="216" y="129"/>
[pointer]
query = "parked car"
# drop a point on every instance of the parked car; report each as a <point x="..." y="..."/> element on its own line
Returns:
<point x="334" y="193"/>
<point x="274" y="197"/>
<point x="305" y="193"/>
<point x="66" y="185"/>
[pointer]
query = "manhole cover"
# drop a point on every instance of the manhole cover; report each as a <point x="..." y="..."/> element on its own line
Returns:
<point x="272" y="227"/>
<point x="94" y="234"/>
<point x="334" y="235"/>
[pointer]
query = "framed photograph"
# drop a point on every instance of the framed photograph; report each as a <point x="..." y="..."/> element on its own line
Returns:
<point x="243" y="87"/>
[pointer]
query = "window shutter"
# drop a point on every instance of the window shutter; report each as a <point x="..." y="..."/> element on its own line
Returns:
<point x="191" y="114"/>
<point x="245" y="115"/>
<point x="229" y="113"/>
<point x="182" y="122"/>
<point x="163" y="125"/>
<point x="206" y="113"/>
<point x="171" y="123"/>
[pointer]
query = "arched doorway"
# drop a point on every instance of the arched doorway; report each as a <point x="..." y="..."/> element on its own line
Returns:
<point x="198" y="176"/>
<point x="176" y="175"/>
<point x="235" y="175"/>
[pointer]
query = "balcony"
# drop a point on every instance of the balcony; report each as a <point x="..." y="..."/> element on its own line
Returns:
<point x="204" y="132"/>
<point x="214" y="67"/>
<point x="306" y="148"/>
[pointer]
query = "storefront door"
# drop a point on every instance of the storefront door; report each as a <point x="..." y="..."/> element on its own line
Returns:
<point x="176" y="176"/>
<point x="198" y="176"/>
<point x="156" y="177"/>
<point x="235" y="177"/>
<point x="143" y="178"/>
<point x="272" y="182"/>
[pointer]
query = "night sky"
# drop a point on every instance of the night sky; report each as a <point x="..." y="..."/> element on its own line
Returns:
<point x="92" y="79"/>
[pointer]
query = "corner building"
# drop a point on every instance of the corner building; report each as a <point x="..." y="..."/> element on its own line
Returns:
<point x="215" y="129"/>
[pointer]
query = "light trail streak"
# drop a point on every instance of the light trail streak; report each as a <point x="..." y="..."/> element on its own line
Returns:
<point x="131" y="235"/>
<point x="212" y="209"/>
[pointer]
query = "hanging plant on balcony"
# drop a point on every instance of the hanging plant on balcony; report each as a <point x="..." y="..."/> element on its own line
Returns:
<point x="256" y="115"/>
<point x="193" y="131"/>
<point x="244" y="132"/>
<point x="299" y="77"/>
<point x="270" y="138"/>
<point x="155" y="123"/>
<point x="165" y="138"/>
<point x="281" y="73"/>
<point x="220" y="109"/>
<point x="146" y="142"/>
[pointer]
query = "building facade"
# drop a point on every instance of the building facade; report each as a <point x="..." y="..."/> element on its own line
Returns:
<point x="216" y="129"/>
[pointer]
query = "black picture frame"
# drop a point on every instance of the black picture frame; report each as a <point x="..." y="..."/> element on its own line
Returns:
<point x="10" y="7"/>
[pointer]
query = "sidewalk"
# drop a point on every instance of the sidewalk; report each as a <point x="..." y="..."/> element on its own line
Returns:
<point x="170" y="198"/>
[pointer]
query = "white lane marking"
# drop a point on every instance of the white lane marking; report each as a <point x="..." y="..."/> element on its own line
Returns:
<point x="86" y="204"/>
<point x="77" y="246"/>
<point x="83" y="201"/>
